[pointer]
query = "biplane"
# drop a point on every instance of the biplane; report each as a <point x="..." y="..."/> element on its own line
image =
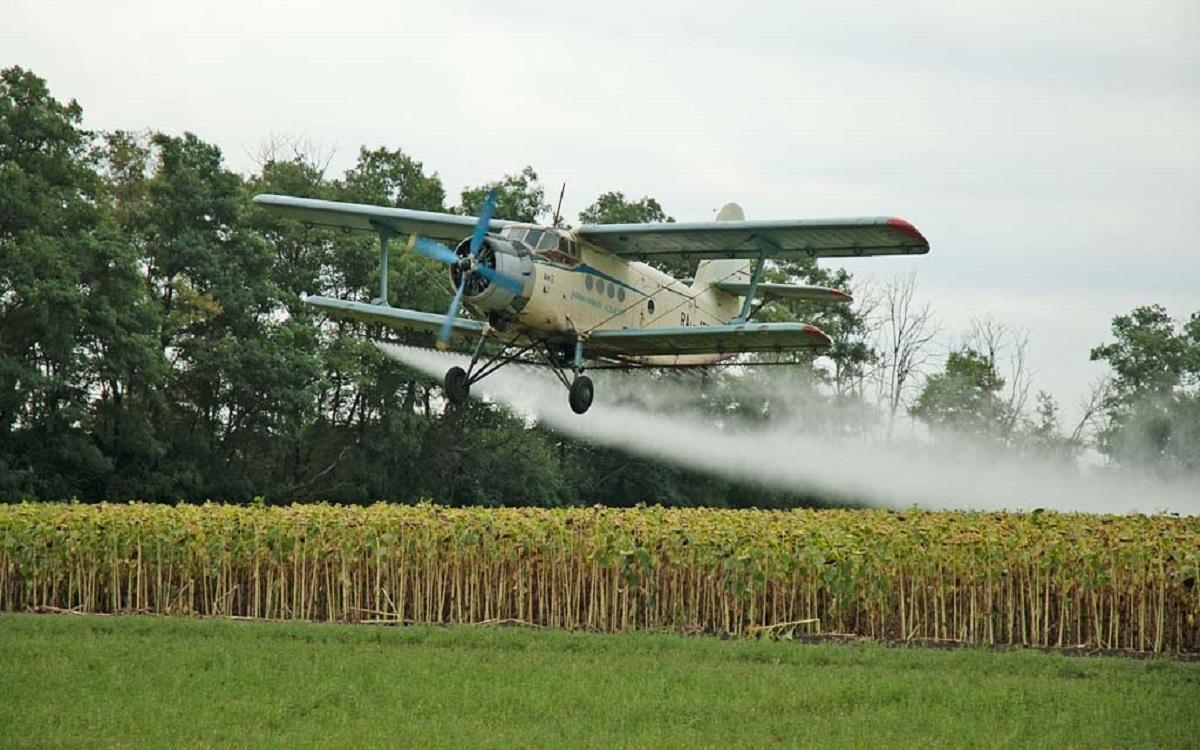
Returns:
<point x="575" y="298"/>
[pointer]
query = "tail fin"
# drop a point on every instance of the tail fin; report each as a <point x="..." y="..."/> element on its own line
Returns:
<point x="709" y="272"/>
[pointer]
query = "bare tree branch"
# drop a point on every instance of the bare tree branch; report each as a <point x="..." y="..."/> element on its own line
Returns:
<point x="905" y="332"/>
<point x="993" y="340"/>
<point x="278" y="147"/>
<point x="1091" y="408"/>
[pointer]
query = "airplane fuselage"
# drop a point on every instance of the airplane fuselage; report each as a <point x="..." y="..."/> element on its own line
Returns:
<point x="582" y="288"/>
<point x="605" y="292"/>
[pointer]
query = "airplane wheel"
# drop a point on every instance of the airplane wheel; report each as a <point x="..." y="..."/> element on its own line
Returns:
<point x="581" y="394"/>
<point x="456" y="385"/>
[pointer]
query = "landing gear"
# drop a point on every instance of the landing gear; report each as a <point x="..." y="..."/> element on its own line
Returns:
<point x="568" y="368"/>
<point x="457" y="385"/>
<point x="581" y="393"/>
<point x="566" y="362"/>
<point x="566" y="365"/>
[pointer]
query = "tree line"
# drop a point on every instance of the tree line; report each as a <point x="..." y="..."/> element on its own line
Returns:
<point x="154" y="343"/>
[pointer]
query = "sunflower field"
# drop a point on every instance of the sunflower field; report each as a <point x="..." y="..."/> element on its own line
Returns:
<point x="1038" y="579"/>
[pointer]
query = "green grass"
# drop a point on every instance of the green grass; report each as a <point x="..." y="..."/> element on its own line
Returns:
<point x="141" y="681"/>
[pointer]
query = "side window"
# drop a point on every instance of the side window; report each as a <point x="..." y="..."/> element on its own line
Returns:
<point x="620" y="295"/>
<point x="588" y="282"/>
<point x="533" y="237"/>
<point x="612" y="290"/>
<point x="650" y="306"/>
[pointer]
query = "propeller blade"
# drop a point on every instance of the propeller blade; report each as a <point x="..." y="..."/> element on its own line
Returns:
<point x="435" y="250"/>
<point x="485" y="220"/>
<point x="443" y="339"/>
<point x="508" y="282"/>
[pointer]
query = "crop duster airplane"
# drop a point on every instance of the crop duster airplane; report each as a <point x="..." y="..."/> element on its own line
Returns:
<point x="566" y="297"/>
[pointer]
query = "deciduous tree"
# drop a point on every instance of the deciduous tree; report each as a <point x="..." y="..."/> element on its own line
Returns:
<point x="964" y="397"/>
<point x="519" y="197"/>
<point x="1152" y="407"/>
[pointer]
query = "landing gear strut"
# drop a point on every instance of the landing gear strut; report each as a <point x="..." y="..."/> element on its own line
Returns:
<point x="457" y="383"/>
<point x="567" y="366"/>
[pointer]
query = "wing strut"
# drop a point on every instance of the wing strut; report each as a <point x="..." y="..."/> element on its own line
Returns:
<point x="384" y="234"/>
<point x="754" y="279"/>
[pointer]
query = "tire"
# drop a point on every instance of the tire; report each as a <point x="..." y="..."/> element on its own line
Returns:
<point x="456" y="385"/>
<point x="581" y="394"/>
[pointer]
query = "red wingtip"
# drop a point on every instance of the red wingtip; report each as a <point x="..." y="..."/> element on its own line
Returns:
<point x="818" y="334"/>
<point x="908" y="229"/>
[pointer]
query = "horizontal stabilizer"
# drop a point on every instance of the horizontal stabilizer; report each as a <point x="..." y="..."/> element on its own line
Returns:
<point x="786" y="291"/>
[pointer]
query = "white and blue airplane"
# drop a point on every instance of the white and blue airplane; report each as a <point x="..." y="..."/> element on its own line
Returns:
<point x="569" y="297"/>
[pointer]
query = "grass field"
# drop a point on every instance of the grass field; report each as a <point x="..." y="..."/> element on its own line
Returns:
<point x="144" y="681"/>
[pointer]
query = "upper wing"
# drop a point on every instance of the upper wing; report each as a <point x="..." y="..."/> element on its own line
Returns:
<point x="396" y="317"/>
<point x="723" y="339"/>
<point x="816" y="238"/>
<point x="373" y="218"/>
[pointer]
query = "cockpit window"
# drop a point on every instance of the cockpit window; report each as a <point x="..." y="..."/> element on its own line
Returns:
<point x="549" y="244"/>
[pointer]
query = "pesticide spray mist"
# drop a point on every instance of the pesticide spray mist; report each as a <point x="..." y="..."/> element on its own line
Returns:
<point x="662" y="423"/>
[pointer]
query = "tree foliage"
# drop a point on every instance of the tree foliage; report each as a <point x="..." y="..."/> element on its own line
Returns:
<point x="519" y="197"/>
<point x="964" y="397"/>
<point x="615" y="208"/>
<point x="390" y="177"/>
<point x="1152" y="408"/>
<point x="56" y="308"/>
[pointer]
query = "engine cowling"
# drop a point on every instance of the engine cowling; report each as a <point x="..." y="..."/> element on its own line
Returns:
<point x="512" y="260"/>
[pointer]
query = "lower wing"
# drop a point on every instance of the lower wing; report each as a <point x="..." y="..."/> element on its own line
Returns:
<point x="396" y="317"/>
<point x="722" y="339"/>
<point x="633" y="342"/>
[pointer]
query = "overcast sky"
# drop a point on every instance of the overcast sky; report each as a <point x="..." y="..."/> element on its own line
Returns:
<point x="1049" y="150"/>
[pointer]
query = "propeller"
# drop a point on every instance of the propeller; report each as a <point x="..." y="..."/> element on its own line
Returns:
<point x="485" y="220"/>
<point x="467" y="265"/>
<point x="444" y="334"/>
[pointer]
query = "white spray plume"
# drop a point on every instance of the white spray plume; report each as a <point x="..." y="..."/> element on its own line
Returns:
<point x="663" y="426"/>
